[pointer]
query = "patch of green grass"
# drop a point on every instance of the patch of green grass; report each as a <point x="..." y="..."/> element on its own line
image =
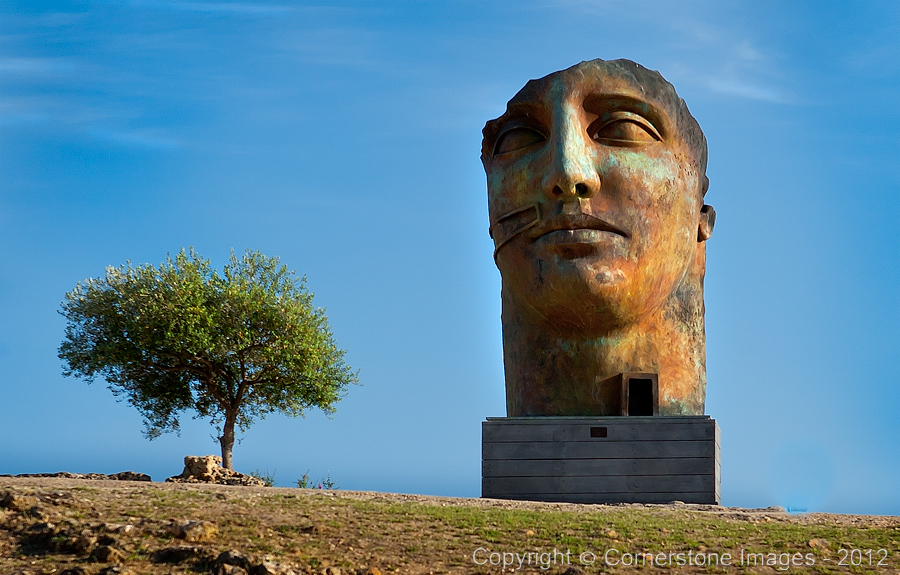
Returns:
<point x="267" y="478"/>
<point x="651" y="529"/>
<point x="288" y="529"/>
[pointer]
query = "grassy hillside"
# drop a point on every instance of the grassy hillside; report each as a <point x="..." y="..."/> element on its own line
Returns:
<point x="54" y="525"/>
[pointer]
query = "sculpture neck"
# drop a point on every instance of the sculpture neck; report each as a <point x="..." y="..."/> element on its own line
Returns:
<point x="552" y="373"/>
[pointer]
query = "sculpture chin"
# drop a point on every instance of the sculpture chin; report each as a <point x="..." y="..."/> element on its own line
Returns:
<point x="609" y="276"/>
<point x="584" y="295"/>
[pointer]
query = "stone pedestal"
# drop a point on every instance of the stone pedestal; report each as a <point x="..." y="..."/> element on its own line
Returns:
<point x="649" y="459"/>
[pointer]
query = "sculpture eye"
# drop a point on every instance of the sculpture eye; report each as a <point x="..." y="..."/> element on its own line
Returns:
<point x="624" y="129"/>
<point x="516" y="139"/>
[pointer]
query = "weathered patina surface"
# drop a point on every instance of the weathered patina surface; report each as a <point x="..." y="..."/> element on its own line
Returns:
<point x="596" y="182"/>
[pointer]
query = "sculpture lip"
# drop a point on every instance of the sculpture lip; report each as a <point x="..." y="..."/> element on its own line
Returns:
<point x="575" y="222"/>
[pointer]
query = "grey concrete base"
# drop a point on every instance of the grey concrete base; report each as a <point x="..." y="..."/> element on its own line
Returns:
<point x="601" y="459"/>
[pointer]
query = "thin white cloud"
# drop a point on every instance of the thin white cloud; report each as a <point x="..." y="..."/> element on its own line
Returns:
<point x="36" y="66"/>
<point x="81" y="120"/>
<point x="745" y="90"/>
<point x="721" y="58"/>
<point x="592" y="7"/>
<point x="219" y="7"/>
<point x="136" y="139"/>
<point x="724" y="60"/>
<point x="21" y="111"/>
<point x="22" y="118"/>
<point x="344" y="46"/>
<point x="747" y="52"/>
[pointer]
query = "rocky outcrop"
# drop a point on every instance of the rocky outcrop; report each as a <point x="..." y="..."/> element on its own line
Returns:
<point x="122" y="476"/>
<point x="208" y="469"/>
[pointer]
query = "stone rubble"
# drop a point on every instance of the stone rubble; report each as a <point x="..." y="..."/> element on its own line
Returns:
<point x="121" y="476"/>
<point x="106" y="546"/>
<point x="208" y="469"/>
<point x="107" y="554"/>
<point x="193" y="531"/>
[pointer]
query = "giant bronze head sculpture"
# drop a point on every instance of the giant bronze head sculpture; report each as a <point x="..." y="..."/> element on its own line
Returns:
<point x="596" y="179"/>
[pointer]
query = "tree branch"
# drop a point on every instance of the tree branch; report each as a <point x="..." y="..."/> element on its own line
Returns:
<point x="242" y="387"/>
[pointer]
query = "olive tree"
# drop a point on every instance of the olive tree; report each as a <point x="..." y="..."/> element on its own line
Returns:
<point x="180" y="337"/>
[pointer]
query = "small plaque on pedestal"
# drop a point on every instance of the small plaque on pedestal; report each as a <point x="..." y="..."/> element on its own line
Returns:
<point x="650" y="459"/>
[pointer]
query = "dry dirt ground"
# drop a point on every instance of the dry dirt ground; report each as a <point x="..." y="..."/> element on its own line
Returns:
<point x="76" y="526"/>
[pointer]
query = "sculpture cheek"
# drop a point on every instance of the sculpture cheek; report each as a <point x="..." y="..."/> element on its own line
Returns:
<point x="655" y="175"/>
<point x="507" y="190"/>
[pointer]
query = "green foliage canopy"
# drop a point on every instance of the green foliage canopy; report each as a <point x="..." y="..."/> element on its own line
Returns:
<point x="233" y="347"/>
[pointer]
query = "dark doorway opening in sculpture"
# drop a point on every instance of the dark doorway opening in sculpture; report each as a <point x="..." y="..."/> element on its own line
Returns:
<point x="640" y="394"/>
<point x="640" y="397"/>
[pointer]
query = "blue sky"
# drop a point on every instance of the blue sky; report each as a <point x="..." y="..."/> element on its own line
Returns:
<point x="345" y="138"/>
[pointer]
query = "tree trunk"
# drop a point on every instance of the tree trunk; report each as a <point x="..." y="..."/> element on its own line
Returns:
<point x="227" y="440"/>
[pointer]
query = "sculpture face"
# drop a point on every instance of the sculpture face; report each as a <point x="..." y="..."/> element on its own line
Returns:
<point x="614" y="192"/>
<point x="596" y="178"/>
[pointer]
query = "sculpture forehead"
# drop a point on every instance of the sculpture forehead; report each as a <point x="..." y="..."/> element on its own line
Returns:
<point x="618" y="77"/>
<point x="609" y="78"/>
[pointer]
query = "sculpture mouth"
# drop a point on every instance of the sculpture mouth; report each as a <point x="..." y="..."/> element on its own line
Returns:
<point x="575" y="229"/>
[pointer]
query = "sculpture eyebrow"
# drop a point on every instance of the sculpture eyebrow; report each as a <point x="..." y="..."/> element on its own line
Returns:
<point x="525" y="108"/>
<point x="525" y="113"/>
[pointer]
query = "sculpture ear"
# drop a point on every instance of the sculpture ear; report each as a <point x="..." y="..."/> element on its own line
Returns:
<point x="707" y="223"/>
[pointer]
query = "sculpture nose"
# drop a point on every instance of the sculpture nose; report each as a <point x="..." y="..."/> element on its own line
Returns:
<point x="572" y="175"/>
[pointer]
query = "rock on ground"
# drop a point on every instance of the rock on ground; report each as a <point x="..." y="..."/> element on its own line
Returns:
<point x="208" y="469"/>
<point x="121" y="476"/>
